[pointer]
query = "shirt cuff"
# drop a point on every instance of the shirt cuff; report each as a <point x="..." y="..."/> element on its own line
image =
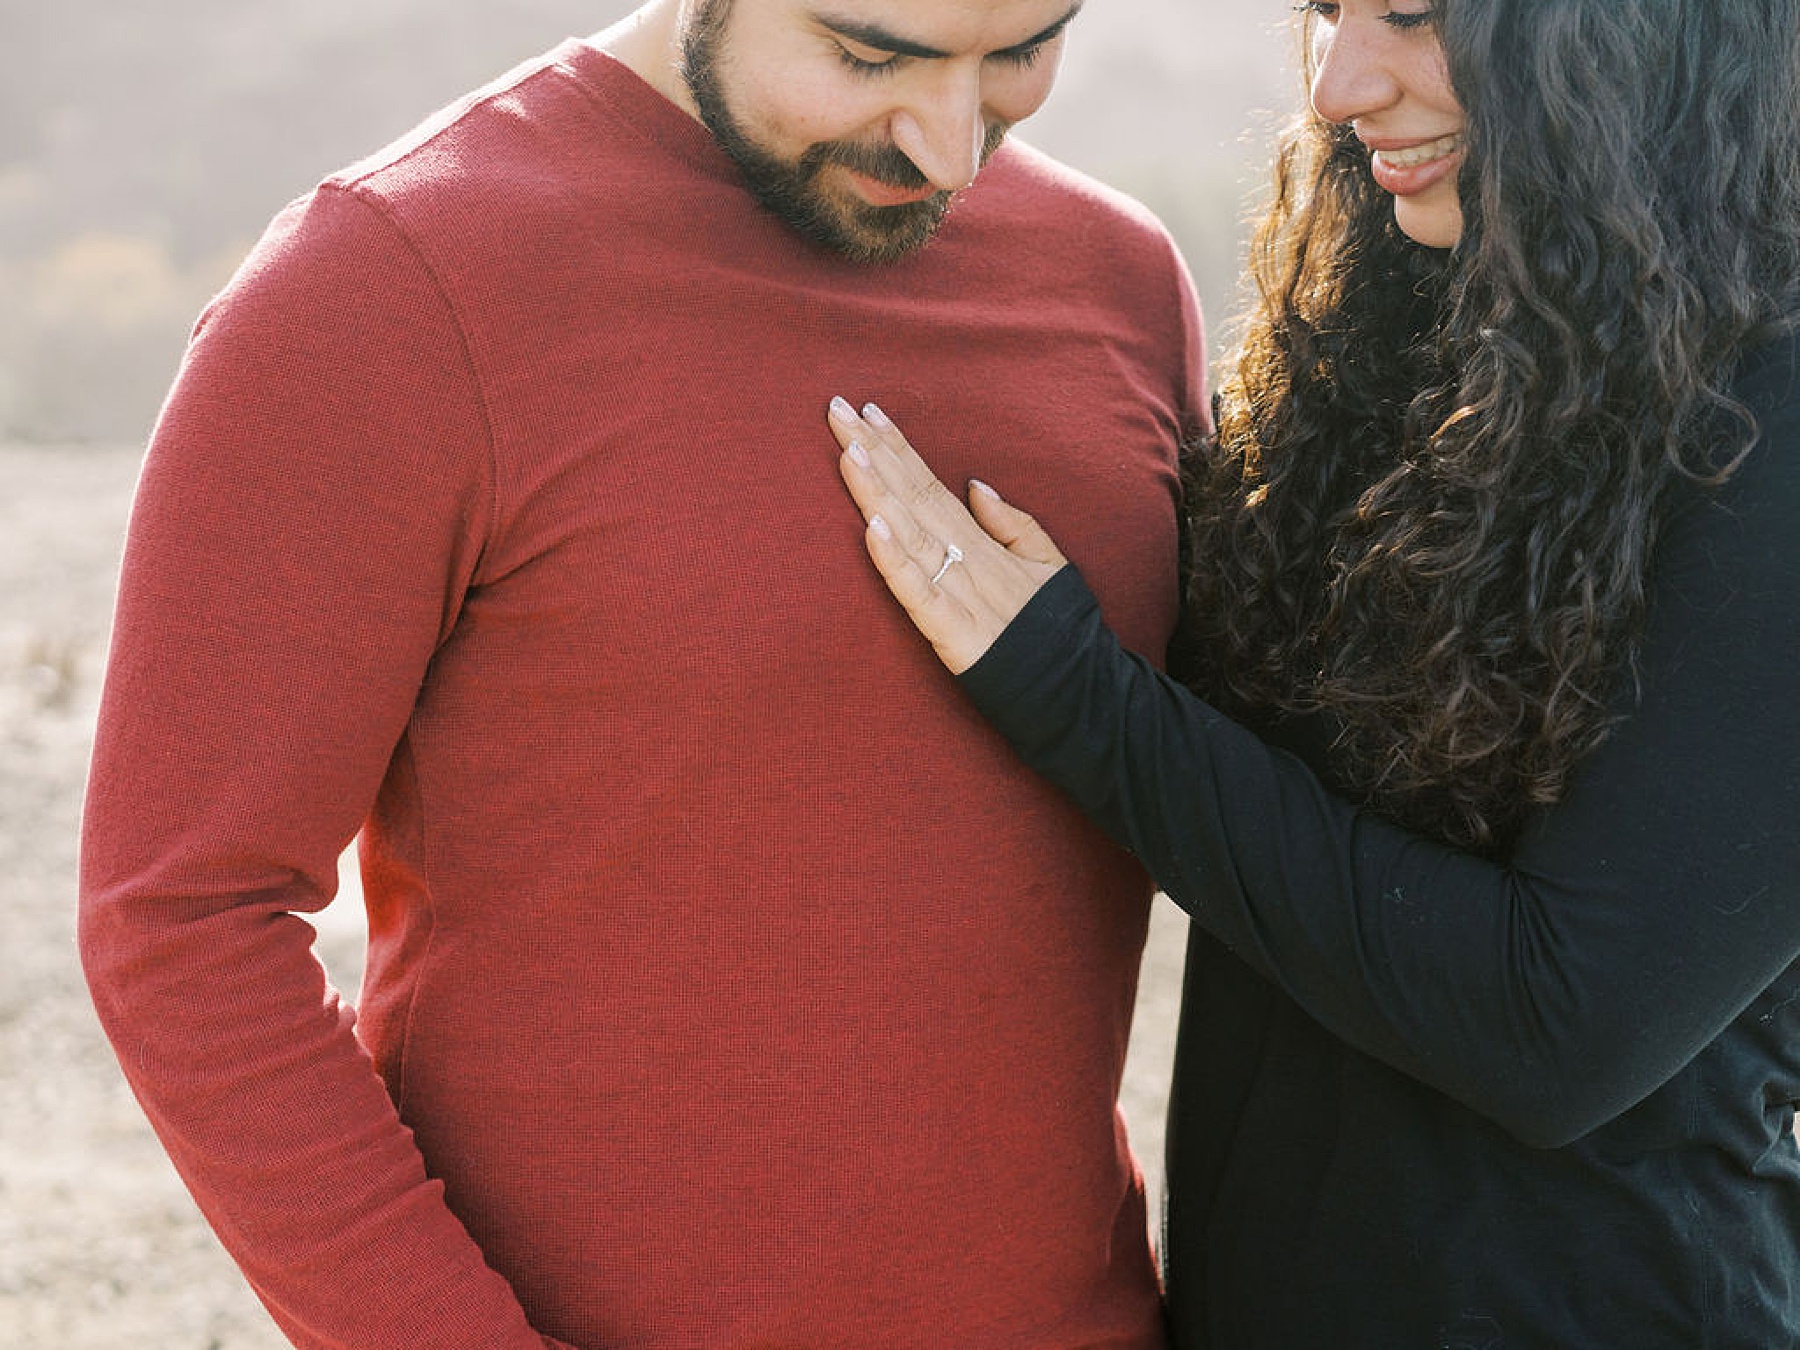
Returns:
<point x="1009" y="674"/>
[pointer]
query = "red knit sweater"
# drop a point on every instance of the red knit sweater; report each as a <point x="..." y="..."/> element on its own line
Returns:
<point x="729" y="985"/>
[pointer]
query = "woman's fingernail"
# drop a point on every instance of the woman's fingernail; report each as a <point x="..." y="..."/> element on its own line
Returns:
<point x="841" y="409"/>
<point x="879" y="528"/>
<point x="982" y="487"/>
<point x="875" y="417"/>
<point x="858" y="455"/>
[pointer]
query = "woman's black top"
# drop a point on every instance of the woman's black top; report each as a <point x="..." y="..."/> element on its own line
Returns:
<point x="1424" y="1100"/>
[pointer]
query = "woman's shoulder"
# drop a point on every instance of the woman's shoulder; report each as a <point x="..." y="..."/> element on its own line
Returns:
<point x="1768" y="374"/>
<point x="1767" y="386"/>
<point x="1739" y="541"/>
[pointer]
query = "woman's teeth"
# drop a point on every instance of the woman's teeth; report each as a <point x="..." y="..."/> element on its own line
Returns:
<point x="1414" y="156"/>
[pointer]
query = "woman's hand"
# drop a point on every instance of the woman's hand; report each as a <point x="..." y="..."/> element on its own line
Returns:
<point x="962" y="574"/>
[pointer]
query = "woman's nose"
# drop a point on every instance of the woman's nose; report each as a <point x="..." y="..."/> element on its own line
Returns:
<point x="1352" y="73"/>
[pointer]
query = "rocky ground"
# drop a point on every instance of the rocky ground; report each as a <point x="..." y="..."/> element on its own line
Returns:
<point x="100" y="1247"/>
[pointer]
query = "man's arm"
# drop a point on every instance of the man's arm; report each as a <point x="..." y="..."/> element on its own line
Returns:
<point x="309" y="515"/>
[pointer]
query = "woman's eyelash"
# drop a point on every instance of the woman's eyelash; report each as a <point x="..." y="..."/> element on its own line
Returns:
<point x="1326" y="10"/>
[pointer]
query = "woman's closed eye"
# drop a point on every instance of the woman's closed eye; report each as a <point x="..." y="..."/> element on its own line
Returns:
<point x="1394" y="18"/>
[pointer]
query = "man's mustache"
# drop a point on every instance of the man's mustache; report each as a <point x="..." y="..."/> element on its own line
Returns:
<point x="884" y="163"/>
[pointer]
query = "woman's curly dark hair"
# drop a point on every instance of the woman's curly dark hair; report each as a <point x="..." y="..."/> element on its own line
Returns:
<point x="1430" y="509"/>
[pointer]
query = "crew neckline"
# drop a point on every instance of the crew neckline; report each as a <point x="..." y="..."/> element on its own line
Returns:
<point x="610" y="81"/>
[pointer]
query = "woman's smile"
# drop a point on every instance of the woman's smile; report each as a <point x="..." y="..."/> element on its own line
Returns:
<point x="1406" y="170"/>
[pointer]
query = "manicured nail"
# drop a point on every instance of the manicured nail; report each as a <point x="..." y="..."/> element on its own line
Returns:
<point x="841" y="409"/>
<point x="879" y="528"/>
<point x="984" y="489"/>
<point x="875" y="417"/>
<point x="858" y="455"/>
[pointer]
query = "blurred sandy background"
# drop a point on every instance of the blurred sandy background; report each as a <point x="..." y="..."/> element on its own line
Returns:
<point x="142" y="148"/>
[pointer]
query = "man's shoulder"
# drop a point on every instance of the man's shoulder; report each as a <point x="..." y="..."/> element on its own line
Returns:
<point x="509" y="173"/>
<point x="1024" y="181"/>
<point x="449" y="143"/>
<point x="505" y="138"/>
<point x="453" y="197"/>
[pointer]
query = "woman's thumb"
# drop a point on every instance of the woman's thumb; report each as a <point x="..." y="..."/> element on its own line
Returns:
<point x="1021" y="534"/>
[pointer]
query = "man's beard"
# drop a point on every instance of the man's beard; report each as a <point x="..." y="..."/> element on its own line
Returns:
<point x="859" y="230"/>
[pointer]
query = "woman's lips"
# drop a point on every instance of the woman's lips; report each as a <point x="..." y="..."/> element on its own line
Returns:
<point x="1408" y="169"/>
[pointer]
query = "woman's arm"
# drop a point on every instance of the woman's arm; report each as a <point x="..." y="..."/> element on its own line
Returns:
<point x="1633" y="923"/>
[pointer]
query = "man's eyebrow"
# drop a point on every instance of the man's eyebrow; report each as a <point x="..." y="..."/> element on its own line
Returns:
<point x="1039" y="38"/>
<point x="874" y="35"/>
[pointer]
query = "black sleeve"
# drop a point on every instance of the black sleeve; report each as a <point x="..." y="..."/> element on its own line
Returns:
<point x="1634" y="921"/>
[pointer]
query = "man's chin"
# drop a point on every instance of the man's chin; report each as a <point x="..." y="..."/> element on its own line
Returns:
<point x="881" y="234"/>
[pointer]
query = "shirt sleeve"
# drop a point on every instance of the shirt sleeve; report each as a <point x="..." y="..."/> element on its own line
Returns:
<point x="308" y="517"/>
<point x="1633" y="923"/>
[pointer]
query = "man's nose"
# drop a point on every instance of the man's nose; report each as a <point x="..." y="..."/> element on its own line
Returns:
<point x="942" y="131"/>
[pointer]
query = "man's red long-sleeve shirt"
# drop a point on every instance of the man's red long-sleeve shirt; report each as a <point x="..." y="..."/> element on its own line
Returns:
<point x="729" y="984"/>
